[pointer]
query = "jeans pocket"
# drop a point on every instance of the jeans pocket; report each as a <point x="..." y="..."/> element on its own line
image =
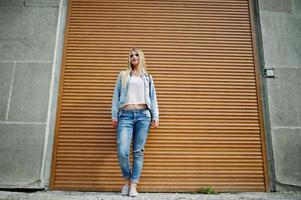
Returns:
<point x="147" y="114"/>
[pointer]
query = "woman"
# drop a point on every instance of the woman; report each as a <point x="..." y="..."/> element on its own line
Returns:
<point x="134" y="110"/>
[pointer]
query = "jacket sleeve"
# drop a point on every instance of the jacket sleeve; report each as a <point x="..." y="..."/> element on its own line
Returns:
<point x="154" y="102"/>
<point x="115" y="99"/>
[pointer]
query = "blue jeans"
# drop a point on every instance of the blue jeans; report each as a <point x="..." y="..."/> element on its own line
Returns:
<point x="132" y="125"/>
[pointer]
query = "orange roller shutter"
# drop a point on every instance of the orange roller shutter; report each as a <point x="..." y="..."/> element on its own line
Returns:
<point x="200" y="53"/>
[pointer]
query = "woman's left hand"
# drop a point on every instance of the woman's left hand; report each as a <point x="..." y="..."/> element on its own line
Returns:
<point x="155" y="124"/>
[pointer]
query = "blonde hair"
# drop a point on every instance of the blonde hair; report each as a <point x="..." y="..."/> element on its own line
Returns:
<point x="141" y="66"/>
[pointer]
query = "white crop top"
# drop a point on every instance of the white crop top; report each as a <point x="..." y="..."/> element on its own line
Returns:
<point x="136" y="91"/>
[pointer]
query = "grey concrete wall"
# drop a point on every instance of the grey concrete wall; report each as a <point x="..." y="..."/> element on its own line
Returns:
<point x="281" y="37"/>
<point x="27" y="44"/>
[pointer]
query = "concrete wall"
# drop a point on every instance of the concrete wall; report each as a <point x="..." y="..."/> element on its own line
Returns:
<point x="281" y="36"/>
<point x="27" y="46"/>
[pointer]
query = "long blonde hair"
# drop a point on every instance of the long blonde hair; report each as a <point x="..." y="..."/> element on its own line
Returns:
<point x="141" y="65"/>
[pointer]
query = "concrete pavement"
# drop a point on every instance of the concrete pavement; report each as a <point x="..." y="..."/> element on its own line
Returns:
<point x="63" y="195"/>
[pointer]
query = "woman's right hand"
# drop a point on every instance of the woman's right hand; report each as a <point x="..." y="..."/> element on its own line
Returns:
<point x="114" y="123"/>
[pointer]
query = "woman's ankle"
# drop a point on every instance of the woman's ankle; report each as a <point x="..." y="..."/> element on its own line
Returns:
<point x="127" y="182"/>
<point x="133" y="185"/>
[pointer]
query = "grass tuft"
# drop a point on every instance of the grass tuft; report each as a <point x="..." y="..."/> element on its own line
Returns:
<point x="206" y="190"/>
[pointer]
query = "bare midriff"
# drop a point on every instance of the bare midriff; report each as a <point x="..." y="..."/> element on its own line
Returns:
<point x="134" y="106"/>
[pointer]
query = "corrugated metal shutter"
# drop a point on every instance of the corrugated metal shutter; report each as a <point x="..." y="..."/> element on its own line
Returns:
<point x="200" y="54"/>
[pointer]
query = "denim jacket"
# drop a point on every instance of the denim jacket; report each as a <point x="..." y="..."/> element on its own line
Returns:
<point x="121" y="94"/>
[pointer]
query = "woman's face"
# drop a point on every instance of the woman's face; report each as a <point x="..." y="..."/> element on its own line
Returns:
<point x="134" y="58"/>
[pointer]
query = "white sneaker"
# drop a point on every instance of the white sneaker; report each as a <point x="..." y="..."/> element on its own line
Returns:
<point x="133" y="192"/>
<point x="125" y="190"/>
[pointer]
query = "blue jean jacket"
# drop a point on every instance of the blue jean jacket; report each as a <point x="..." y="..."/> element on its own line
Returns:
<point x="121" y="94"/>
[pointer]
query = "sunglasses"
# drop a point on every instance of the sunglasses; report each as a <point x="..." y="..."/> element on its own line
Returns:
<point x="132" y="55"/>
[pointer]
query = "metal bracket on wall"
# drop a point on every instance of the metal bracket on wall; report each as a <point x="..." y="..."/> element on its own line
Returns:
<point x="268" y="73"/>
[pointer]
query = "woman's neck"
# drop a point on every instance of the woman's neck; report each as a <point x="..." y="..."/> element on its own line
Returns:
<point x="134" y="67"/>
<point x="136" y="72"/>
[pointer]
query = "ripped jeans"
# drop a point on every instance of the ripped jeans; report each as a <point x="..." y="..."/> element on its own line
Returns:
<point x="132" y="125"/>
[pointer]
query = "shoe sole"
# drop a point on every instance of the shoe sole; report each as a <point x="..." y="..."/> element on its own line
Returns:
<point x="133" y="195"/>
